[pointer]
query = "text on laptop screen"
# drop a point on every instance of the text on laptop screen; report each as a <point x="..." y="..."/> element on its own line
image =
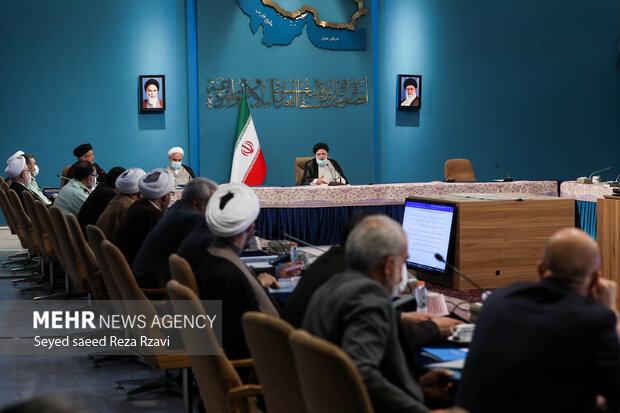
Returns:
<point x="428" y="227"/>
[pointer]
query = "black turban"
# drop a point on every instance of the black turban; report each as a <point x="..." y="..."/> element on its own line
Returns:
<point x="151" y="82"/>
<point x="320" y="145"/>
<point x="82" y="149"/>
<point x="410" y="82"/>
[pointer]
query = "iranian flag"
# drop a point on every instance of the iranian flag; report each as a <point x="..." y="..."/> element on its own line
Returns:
<point x="248" y="164"/>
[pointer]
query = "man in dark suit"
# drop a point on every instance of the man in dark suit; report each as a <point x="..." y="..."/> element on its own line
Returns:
<point x="550" y="346"/>
<point x="353" y="310"/>
<point x="151" y="267"/>
<point x="322" y="170"/>
<point x="144" y="214"/>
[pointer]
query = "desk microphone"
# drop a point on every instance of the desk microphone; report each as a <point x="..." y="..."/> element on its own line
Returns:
<point x="63" y="177"/>
<point x="284" y="234"/>
<point x="440" y="258"/>
<point x="602" y="170"/>
<point x="507" y="178"/>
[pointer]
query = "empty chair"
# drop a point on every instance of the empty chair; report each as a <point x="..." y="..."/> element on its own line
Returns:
<point x="95" y="238"/>
<point x="45" y="244"/>
<point x="268" y="340"/>
<point x="300" y="166"/>
<point x="72" y="263"/>
<point x="11" y="218"/>
<point x="137" y="303"/>
<point x="24" y="230"/>
<point x="183" y="273"/>
<point x="459" y="170"/>
<point x="330" y="382"/>
<point x="86" y="256"/>
<point x="220" y="386"/>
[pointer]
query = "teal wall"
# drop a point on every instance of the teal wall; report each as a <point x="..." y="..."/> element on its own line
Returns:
<point x="227" y="48"/>
<point x="70" y="75"/>
<point x="530" y="85"/>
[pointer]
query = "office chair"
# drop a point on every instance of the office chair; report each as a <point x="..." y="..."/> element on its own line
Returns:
<point x="330" y="382"/>
<point x="267" y="338"/>
<point x="300" y="166"/>
<point x="183" y="273"/>
<point x="458" y="170"/>
<point x="220" y="386"/>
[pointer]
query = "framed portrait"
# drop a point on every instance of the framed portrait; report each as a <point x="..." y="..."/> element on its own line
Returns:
<point x="152" y="96"/>
<point x="409" y="94"/>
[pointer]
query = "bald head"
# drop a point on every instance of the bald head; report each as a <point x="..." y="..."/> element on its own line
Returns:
<point x="571" y="256"/>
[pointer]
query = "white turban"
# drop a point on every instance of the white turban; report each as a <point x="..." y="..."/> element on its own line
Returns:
<point x="15" y="155"/>
<point x="16" y="167"/>
<point x="127" y="182"/>
<point x="176" y="149"/>
<point x="156" y="183"/>
<point x="231" y="209"/>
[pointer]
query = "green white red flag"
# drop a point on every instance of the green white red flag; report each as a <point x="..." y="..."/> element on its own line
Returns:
<point x="248" y="164"/>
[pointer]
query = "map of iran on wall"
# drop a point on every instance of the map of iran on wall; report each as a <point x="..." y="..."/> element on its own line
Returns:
<point x="281" y="26"/>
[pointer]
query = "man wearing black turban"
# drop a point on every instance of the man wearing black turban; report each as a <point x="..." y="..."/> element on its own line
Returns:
<point x="411" y="88"/>
<point x="151" y="88"/>
<point x="83" y="152"/>
<point x="322" y="170"/>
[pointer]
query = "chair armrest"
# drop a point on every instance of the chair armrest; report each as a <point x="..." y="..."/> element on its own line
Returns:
<point x="242" y="363"/>
<point x="244" y="391"/>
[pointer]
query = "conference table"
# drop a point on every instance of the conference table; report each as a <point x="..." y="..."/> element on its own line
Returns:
<point x="586" y="197"/>
<point x="317" y="214"/>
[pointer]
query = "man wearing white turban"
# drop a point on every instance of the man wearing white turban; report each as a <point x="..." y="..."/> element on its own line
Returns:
<point x="128" y="192"/>
<point x="143" y="214"/>
<point x="182" y="173"/>
<point x="221" y="275"/>
<point x="151" y="267"/>
<point x="19" y="174"/>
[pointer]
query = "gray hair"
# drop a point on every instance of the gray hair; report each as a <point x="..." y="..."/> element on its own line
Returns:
<point x="198" y="188"/>
<point x="372" y="240"/>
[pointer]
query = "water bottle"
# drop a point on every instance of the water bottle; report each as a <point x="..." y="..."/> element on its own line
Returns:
<point x="293" y="252"/>
<point x="420" y="297"/>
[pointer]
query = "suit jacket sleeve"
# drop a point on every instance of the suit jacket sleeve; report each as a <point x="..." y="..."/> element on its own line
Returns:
<point x="310" y="172"/>
<point x="365" y="341"/>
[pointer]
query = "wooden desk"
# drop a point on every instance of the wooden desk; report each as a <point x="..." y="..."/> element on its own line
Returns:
<point x="500" y="239"/>
<point x="608" y="223"/>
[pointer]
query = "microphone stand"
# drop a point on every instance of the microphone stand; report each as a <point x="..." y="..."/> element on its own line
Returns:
<point x="300" y="241"/>
<point x="440" y="258"/>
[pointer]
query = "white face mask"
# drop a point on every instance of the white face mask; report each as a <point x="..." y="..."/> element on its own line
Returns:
<point x="28" y="177"/>
<point x="397" y="289"/>
<point x="36" y="170"/>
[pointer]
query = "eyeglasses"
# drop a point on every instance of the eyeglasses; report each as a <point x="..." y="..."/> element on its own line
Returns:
<point x="95" y="175"/>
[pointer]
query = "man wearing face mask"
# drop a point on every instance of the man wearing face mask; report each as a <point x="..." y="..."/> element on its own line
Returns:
<point x="322" y="170"/>
<point x="144" y="214"/>
<point x="353" y="310"/>
<point x="33" y="186"/>
<point x="182" y="173"/>
<point x="73" y="195"/>
<point x="18" y="172"/>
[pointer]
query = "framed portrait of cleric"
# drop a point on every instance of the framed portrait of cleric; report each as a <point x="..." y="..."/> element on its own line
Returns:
<point x="409" y="93"/>
<point x="152" y="96"/>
